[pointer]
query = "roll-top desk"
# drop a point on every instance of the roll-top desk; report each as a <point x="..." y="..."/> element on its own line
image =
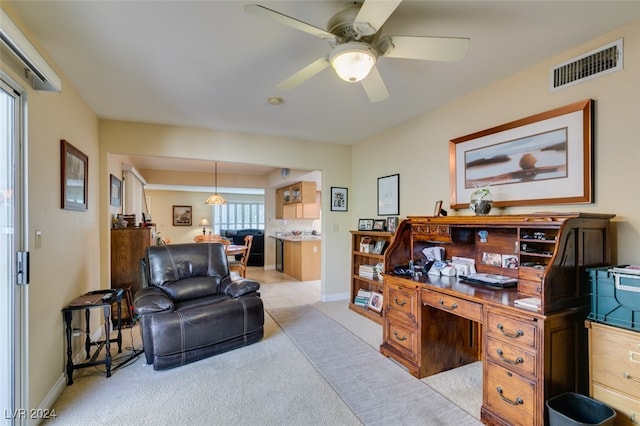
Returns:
<point x="436" y="323"/>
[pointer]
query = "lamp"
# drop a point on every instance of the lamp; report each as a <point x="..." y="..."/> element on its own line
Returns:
<point x="216" y="199"/>
<point x="353" y="61"/>
<point x="204" y="223"/>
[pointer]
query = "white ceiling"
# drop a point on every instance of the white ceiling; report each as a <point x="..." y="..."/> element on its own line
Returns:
<point x="210" y="64"/>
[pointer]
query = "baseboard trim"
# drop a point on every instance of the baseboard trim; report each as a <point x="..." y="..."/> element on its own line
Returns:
<point x="334" y="297"/>
<point x="47" y="403"/>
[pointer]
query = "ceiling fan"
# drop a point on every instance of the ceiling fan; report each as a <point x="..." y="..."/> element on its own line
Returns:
<point x="357" y="43"/>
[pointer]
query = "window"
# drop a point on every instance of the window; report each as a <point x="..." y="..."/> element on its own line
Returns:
<point x="234" y="216"/>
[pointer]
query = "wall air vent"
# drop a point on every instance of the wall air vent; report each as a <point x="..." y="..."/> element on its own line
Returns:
<point x="595" y="63"/>
<point x="37" y="70"/>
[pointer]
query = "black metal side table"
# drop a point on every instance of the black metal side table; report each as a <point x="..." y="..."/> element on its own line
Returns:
<point x="94" y="299"/>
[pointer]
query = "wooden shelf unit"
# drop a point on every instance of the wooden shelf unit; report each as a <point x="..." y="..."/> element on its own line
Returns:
<point x="362" y="258"/>
<point x="432" y="324"/>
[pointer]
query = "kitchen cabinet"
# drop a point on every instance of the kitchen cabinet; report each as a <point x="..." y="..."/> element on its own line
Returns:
<point x="299" y="200"/>
<point x="302" y="211"/>
<point x="301" y="258"/>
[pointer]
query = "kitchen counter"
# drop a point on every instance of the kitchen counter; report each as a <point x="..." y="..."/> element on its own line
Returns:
<point x="300" y="255"/>
<point x="291" y="237"/>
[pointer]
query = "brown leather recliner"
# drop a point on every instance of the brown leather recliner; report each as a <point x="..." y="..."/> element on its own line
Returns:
<point x="191" y="308"/>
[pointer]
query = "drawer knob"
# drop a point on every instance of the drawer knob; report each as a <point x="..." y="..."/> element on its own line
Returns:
<point x="628" y="376"/>
<point x="399" y="302"/>
<point x="518" y="400"/>
<point x="397" y="336"/>
<point x="515" y="335"/>
<point x="449" y="308"/>
<point x="518" y="360"/>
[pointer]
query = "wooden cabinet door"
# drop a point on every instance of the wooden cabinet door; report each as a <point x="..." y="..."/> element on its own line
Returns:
<point x="127" y="248"/>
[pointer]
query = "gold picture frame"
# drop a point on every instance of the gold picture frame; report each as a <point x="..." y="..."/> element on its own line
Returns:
<point x="542" y="159"/>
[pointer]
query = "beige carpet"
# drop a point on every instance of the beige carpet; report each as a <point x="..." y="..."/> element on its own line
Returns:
<point x="462" y="386"/>
<point x="378" y="390"/>
<point x="267" y="383"/>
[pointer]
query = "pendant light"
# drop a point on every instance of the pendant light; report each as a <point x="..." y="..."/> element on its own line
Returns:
<point x="216" y="199"/>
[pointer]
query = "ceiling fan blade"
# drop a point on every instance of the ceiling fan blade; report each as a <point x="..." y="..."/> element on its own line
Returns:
<point x="448" y="49"/>
<point x="294" y="23"/>
<point x="374" y="86"/>
<point x="304" y="74"/>
<point x="372" y="15"/>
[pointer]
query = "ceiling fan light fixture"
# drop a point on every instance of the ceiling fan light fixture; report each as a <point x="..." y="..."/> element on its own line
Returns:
<point x="352" y="61"/>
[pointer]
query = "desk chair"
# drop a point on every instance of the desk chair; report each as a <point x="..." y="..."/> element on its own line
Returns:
<point x="240" y="266"/>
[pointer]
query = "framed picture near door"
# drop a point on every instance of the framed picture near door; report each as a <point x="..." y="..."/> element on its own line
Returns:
<point x="74" y="172"/>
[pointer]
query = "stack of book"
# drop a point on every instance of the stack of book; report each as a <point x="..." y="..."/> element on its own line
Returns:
<point x="362" y="298"/>
<point x="368" y="271"/>
<point x="532" y="303"/>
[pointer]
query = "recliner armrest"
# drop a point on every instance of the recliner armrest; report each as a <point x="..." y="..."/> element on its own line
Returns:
<point x="239" y="286"/>
<point x="150" y="300"/>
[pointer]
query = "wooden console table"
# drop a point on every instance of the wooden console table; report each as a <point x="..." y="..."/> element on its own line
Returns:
<point x="436" y="323"/>
<point x="95" y="299"/>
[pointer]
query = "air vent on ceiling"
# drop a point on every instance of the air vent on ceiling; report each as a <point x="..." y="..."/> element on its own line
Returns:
<point x="595" y="63"/>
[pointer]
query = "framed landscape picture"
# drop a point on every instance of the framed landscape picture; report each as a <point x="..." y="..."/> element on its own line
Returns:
<point x="542" y="159"/>
<point x="182" y="216"/>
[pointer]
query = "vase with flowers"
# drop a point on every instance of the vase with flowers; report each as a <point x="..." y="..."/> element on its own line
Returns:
<point x="481" y="200"/>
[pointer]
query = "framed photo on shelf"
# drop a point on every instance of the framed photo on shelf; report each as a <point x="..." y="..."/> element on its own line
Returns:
<point x="375" y="302"/>
<point x="365" y="224"/>
<point x="537" y="160"/>
<point x="388" y="195"/>
<point x="182" y="216"/>
<point x="379" y="224"/>
<point x="438" y="208"/>
<point x="74" y="171"/>
<point x="339" y="199"/>
<point x="116" y="191"/>
<point x="379" y="247"/>
<point x="392" y="223"/>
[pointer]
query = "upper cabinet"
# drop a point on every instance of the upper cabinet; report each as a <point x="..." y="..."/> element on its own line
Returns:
<point x="299" y="200"/>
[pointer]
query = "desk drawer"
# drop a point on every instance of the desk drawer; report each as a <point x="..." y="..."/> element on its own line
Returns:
<point x="615" y="358"/>
<point x="402" y="302"/>
<point x="511" y="357"/>
<point x="455" y="305"/>
<point x="513" y="330"/>
<point x="510" y="395"/>
<point x="405" y="339"/>
<point x="627" y="408"/>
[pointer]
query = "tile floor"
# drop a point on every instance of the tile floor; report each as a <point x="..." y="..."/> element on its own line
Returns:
<point x="279" y="290"/>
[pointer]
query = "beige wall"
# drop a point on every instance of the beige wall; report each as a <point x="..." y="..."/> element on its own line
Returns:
<point x="68" y="262"/>
<point x="334" y="161"/>
<point x="420" y="152"/>
<point x="421" y="145"/>
<point x="161" y="207"/>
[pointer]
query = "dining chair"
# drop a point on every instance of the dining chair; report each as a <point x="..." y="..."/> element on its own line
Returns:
<point x="240" y="266"/>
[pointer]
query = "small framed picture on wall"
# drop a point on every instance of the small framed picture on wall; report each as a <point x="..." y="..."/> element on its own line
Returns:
<point x="339" y="199"/>
<point x="182" y="216"/>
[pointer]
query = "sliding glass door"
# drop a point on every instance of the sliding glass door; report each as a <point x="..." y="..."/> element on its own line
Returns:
<point x="13" y="268"/>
